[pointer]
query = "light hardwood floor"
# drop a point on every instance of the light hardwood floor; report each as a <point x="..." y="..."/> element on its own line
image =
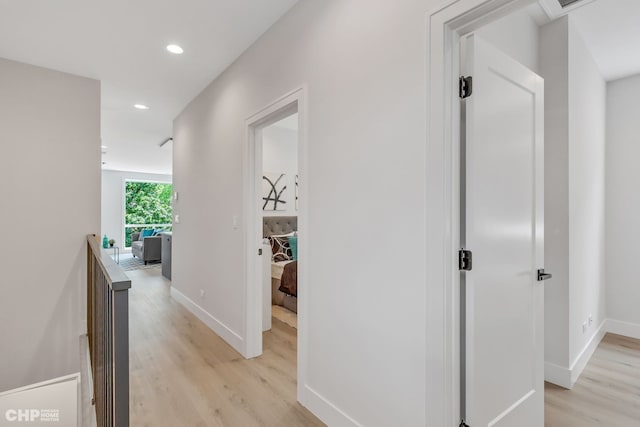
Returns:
<point x="284" y="315"/>
<point x="182" y="374"/>
<point x="606" y="394"/>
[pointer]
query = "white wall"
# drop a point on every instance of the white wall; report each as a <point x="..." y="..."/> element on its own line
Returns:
<point x="623" y="201"/>
<point x="366" y="180"/>
<point x="50" y="182"/>
<point x="574" y="198"/>
<point x="280" y="155"/>
<point x="554" y="68"/>
<point x="516" y="34"/>
<point x="113" y="200"/>
<point x="587" y="124"/>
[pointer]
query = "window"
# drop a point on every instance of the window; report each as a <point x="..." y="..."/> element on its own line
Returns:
<point x="147" y="205"/>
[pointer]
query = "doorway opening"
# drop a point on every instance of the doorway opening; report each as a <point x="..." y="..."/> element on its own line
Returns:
<point x="275" y="217"/>
<point x="279" y="210"/>
<point x="571" y="55"/>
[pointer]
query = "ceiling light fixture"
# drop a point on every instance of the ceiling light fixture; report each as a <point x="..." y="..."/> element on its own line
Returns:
<point x="141" y="107"/>
<point x="175" y="49"/>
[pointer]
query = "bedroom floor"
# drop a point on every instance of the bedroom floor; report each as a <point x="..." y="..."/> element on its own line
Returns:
<point x="284" y="315"/>
<point x="183" y="374"/>
<point x="607" y="393"/>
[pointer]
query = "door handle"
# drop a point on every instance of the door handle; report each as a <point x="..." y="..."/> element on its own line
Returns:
<point x="543" y="276"/>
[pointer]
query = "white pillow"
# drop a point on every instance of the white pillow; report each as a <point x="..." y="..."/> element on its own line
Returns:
<point x="280" y="247"/>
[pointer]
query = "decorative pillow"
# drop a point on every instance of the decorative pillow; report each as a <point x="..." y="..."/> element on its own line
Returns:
<point x="293" y="245"/>
<point x="280" y="247"/>
<point x="146" y="233"/>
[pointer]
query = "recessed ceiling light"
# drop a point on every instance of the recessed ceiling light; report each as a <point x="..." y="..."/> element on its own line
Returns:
<point x="104" y="147"/>
<point x="174" y="48"/>
<point x="141" y="107"/>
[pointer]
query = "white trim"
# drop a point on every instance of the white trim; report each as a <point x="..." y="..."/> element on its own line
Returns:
<point x="214" y="324"/>
<point x="75" y="376"/>
<point x="296" y="100"/>
<point x="619" y="327"/>
<point x="327" y="411"/>
<point x="123" y="213"/>
<point x="567" y="377"/>
<point x="583" y="358"/>
<point x="445" y="25"/>
<point x="557" y="375"/>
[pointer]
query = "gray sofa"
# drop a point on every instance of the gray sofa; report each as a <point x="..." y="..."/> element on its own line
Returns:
<point x="147" y="249"/>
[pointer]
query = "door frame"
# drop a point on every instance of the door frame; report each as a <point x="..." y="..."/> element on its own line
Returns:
<point x="287" y="104"/>
<point x="445" y="26"/>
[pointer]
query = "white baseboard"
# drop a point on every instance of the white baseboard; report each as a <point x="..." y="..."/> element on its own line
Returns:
<point x="232" y="338"/>
<point x="325" y="410"/>
<point x="628" y="329"/>
<point x="557" y="375"/>
<point x="567" y="377"/>
<point x="583" y="358"/>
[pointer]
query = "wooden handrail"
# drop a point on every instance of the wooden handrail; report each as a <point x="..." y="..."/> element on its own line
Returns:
<point x="108" y="335"/>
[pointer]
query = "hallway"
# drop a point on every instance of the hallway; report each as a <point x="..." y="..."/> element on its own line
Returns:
<point x="182" y="374"/>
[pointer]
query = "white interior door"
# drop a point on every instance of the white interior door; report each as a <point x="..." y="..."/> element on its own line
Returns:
<point x="503" y="198"/>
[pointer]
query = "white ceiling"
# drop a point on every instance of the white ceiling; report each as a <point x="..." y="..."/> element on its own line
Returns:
<point x="611" y="29"/>
<point x="123" y="44"/>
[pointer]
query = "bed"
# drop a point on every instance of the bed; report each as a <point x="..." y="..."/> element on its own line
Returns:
<point x="283" y="271"/>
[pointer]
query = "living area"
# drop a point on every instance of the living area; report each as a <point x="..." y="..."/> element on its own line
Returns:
<point x="137" y="219"/>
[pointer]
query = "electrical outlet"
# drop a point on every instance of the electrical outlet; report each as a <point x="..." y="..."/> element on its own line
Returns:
<point x="201" y="293"/>
<point x="590" y="319"/>
<point x="584" y="327"/>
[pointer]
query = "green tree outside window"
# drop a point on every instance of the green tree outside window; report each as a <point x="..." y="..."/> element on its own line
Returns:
<point x="147" y="203"/>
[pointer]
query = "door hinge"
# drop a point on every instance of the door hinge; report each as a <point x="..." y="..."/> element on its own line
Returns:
<point x="466" y="86"/>
<point x="465" y="260"/>
<point x="259" y="251"/>
<point x="463" y="424"/>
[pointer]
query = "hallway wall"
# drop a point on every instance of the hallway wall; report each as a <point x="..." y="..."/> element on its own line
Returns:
<point x="623" y="204"/>
<point x="366" y="178"/>
<point x="50" y="182"/>
<point x="574" y="200"/>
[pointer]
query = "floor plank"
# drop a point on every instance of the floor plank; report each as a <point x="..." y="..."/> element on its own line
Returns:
<point x="182" y="374"/>
<point x="285" y="315"/>
<point x="606" y="394"/>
